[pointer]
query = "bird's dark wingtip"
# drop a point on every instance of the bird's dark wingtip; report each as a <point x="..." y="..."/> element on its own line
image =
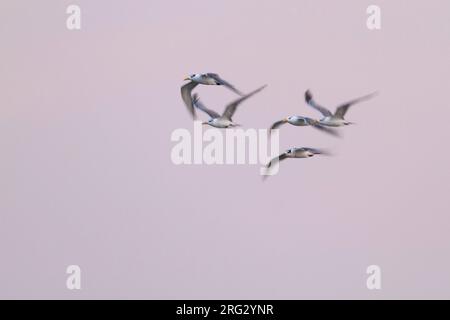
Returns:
<point x="308" y="95"/>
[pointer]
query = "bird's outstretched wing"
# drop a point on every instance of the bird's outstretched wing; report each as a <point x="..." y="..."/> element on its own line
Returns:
<point x="316" y="124"/>
<point x="187" y="98"/>
<point x="231" y="108"/>
<point x="343" y="108"/>
<point x="310" y="101"/>
<point x="199" y="105"/>
<point x="327" y="130"/>
<point x="221" y="81"/>
<point x="277" y="159"/>
<point x="278" y="124"/>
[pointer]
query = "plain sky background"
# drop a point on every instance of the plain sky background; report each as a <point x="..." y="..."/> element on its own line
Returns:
<point x="86" y="176"/>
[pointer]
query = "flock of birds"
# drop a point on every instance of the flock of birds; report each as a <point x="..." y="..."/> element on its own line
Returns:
<point x="327" y="124"/>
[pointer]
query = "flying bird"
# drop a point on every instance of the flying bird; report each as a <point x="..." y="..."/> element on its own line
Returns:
<point x="297" y="153"/>
<point x="205" y="79"/>
<point x="224" y="120"/>
<point x="187" y="97"/>
<point x="303" y="122"/>
<point x="212" y="79"/>
<point x="336" y="119"/>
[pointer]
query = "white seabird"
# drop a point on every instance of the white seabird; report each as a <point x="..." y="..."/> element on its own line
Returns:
<point x="224" y="120"/>
<point x="303" y="122"/>
<point x="297" y="153"/>
<point x="336" y="119"/>
<point x="205" y="79"/>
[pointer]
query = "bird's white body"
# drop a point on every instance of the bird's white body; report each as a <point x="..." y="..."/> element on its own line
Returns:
<point x="298" y="121"/>
<point x="333" y="122"/>
<point x="203" y="79"/>
<point x="300" y="153"/>
<point x="220" y="123"/>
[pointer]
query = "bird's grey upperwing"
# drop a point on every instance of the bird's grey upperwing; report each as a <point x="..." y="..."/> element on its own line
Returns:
<point x="225" y="83"/>
<point x="199" y="105"/>
<point x="310" y="101"/>
<point x="278" y="124"/>
<point x="187" y="97"/>
<point x="279" y="158"/>
<point x="343" y="108"/>
<point x="324" y="129"/>
<point x="231" y="108"/>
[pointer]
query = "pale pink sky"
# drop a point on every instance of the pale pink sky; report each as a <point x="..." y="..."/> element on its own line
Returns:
<point x="86" y="177"/>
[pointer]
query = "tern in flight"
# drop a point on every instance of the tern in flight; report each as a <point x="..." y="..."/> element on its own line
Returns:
<point x="297" y="153"/>
<point x="224" y="120"/>
<point x="205" y="79"/>
<point x="336" y="119"/>
<point x="303" y="122"/>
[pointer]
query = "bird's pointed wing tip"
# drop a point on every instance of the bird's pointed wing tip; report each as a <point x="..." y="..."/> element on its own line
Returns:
<point x="308" y="95"/>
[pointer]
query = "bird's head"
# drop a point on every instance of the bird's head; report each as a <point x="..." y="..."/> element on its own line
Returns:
<point x="191" y="77"/>
<point x="290" y="152"/>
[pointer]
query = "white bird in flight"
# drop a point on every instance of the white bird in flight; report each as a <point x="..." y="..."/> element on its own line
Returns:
<point x="224" y="120"/>
<point x="297" y="153"/>
<point x="205" y="79"/>
<point x="303" y="122"/>
<point x="336" y="119"/>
